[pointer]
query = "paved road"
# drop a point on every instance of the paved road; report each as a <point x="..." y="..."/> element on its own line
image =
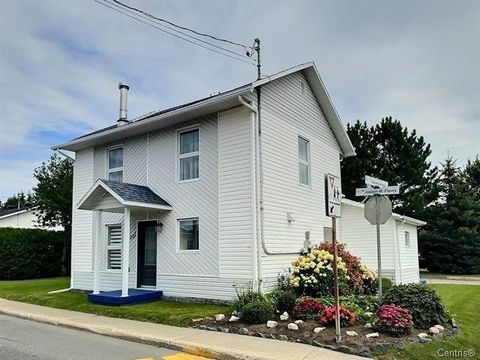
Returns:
<point x="23" y="339"/>
<point x="453" y="282"/>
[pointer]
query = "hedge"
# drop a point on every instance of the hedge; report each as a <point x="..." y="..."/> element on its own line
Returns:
<point x="30" y="253"/>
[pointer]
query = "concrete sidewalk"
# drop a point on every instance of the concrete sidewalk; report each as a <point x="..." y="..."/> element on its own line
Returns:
<point x="198" y="342"/>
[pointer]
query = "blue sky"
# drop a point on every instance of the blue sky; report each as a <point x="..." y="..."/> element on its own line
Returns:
<point x="60" y="63"/>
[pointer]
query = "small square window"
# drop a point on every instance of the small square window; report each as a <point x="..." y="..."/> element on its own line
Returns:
<point x="189" y="234"/>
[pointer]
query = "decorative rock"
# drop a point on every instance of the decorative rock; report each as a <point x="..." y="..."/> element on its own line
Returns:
<point x="318" y="329"/>
<point x="292" y="326"/>
<point x="298" y="322"/>
<point x="197" y="320"/>
<point x="433" y="330"/>
<point x="372" y="335"/>
<point x="368" y="326"/>
<point x="439" y="327"/>
<point x="271" y="323"/>
<point x="351" y="333"/>
<point x="243" y="331"/>
<point x="364" y="351"/>
<point x="235" y="313"/>
<point x="368" y="313"/>
<point x="284" y="316"/>
<point x="422" y="335"/>
<point x="454" y="323"/>
<point x="233" y="318"/>
<point x="219" y="317"/>
<point x="425" y="340"/>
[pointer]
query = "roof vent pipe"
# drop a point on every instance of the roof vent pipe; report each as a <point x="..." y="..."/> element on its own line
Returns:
<point x="122" y="120"/>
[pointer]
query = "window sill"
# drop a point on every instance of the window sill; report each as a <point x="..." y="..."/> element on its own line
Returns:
<point x="188" y="181"/>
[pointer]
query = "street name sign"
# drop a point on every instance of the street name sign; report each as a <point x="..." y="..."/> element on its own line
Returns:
<point x="334" y="195"/>
<point x="372" y="181"/>
<point x="389" y="190"/>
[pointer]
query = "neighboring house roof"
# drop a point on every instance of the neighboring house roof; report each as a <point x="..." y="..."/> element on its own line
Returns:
<point x="10" y="212"/>
<point x="127" y="195"/>
<point x="160" y="119"/>
<point x="398" y="217"/>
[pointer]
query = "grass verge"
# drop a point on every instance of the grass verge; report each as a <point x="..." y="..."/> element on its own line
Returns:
<point x="163" y="312"/>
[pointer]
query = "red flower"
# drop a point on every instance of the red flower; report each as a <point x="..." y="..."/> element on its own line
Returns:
<point x="347" y="316"/>
<point x="308" y="308"/>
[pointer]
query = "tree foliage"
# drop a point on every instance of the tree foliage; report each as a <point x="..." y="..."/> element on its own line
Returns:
<point x="17" y="200"/>
<point x="391" y="152"/>
<point x="450" y="242"/>
<point x="53" y="197"/>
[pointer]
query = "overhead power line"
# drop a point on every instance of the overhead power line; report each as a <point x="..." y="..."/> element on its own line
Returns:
<point x="150" y="21"/>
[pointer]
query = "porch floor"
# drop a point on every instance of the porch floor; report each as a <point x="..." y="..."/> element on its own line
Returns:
<point x="134" y="296"/>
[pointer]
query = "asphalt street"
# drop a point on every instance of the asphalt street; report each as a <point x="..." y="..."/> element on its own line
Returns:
<point x="23" y="339"/>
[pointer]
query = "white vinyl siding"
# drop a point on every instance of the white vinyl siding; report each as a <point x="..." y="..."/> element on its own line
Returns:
<point x="188" y="234"/>
<point x="189" y="154"/>
<point x="303" y="161"/>
<point x="114" y="247"/>
<point x="115" y="163"/>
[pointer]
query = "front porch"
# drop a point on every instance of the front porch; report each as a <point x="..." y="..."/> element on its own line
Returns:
<point x="123" y="198"/>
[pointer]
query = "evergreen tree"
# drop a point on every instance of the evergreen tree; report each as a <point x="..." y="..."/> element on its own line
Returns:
<point x="450" y="242"/>
<point x="392" y="153"/>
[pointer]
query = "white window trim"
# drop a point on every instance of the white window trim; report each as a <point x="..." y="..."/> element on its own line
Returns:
<point x="303" y="162"/>
<point x="118" y="146"/>
<point x="110" y="247"/>
<point x="188" y="155"/>
<point x="193" y="251"/>
<point x="407" y="239"/>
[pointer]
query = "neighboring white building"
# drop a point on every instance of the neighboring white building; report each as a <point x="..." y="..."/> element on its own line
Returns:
<point x="399" y="245"/>
<point x="22" y="218"/>
<point x="208" y="194"/>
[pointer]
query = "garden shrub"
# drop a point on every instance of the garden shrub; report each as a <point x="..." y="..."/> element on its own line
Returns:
<point x="245" y="295"/>
<point x="30" y="253"/>
<point x="386" y="285"/>
<point x="424" y="304"/>
<point x="312" y="273"/>
<point x="393" y="320"/>
<point x="308" y="308"/>
<point x="257" y="312"/>
<point x="347" y="316"/>
<point x="283" y="300"/>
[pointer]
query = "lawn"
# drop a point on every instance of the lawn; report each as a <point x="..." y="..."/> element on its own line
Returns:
<point x="462" y="301"/>
<point x="164" y="312"/>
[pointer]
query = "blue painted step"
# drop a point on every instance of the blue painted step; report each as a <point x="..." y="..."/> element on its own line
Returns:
<point x="134" y="296"/>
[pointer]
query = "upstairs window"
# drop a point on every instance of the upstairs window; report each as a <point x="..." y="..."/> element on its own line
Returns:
<point x="303" y="161"/>
<point x="407" y="239"/>
<point x="114" y="247"/>
<point x="115" y="164"/>
<point x="188" y="155"/>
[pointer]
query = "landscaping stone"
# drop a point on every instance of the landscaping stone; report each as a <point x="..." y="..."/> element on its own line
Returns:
<point x="318" y="329"/>
<point x="219" y="317"/>
<point x="433" y="330"/>
<point x="298" y="322"/>
<point x="364" y="351"/>
<point x="271" y="323"/>
<point x="439" y="327"/>
<point x="381" y="347"/>
<point x="233" y="318"/>
<point x="368" y="326"/>
<point x="244" y="331"/>
<point x="284" y="316"/>
<point x="425" y="340"/>
<point x="351" y="333"/>
<point x="292" y="326"/>
<point x="372" y="335"/>
<point x="197" y="320"/>
<point x="422" y="335"/>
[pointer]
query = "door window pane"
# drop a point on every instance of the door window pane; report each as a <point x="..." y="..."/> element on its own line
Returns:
<point x="189" y="234"/>
<point x="150" y="246"/>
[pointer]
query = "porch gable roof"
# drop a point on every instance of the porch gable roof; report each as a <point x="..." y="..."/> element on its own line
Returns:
<point x="114" y="196"/>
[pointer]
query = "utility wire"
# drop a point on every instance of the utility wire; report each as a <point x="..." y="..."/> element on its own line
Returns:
<point x="175" y="30"/>
<point x="170" y="33"/>
<point x="181" y="27"/>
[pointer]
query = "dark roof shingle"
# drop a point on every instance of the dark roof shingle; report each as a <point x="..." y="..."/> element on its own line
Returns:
<point x="133" y="192"/>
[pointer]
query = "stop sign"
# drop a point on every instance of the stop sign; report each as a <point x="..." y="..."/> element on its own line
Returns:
<point x="384" y="210"/>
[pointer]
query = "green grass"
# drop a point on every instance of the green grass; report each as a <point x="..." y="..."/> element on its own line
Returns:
<point x="163" y="312"/>
<point x="462" y="301"/>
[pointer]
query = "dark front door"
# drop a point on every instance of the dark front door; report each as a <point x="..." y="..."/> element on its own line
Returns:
<point x="147" y="254"/>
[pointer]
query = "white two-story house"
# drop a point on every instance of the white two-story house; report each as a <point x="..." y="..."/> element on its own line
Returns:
<point x="196" y="198"/>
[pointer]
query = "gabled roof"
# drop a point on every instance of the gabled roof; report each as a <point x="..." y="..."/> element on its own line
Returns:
<point x="160" y="119"/>
<point x="10" y="212"/>
<point x="398" y="217"/>
<point x="124" y="195"/>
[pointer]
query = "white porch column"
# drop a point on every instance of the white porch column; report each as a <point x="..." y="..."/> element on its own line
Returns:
<point x="125" y="251"/>
<point x="96" y="270"/>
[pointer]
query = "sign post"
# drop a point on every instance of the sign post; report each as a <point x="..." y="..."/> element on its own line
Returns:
<point x="334" y="202"/>
<point x="377" y="210"/>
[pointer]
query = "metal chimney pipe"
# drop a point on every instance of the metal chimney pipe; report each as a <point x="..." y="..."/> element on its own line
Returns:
<point x="122" y="120"/>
